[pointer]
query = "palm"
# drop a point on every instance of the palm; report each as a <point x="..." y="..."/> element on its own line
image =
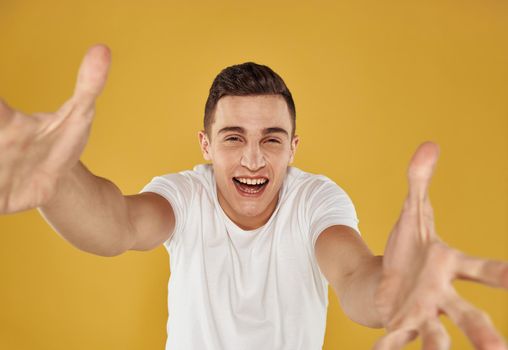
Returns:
<point x="418" y="269"/>
<point x="38" y="149"/>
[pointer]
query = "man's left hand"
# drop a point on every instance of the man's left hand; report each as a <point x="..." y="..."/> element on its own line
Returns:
<point x="418" y="271"/>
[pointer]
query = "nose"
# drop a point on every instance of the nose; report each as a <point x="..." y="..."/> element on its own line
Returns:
<point x="253" y="157"/>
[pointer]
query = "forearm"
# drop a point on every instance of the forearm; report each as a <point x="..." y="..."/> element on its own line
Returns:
<point x="90" y="213"/>
<point x="357" y="298"/>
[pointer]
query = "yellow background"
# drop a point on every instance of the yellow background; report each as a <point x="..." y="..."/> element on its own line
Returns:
<point x="371" y="80"/>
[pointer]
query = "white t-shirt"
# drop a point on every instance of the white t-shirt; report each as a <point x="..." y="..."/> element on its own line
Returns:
<point x="232" y="289"/>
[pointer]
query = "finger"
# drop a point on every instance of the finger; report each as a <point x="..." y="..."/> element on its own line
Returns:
<point x="395" y="339"/>
<point x="491" y="272"/>
<point x="434" y="336"/>
<point x="92" y="76"/>
<point x="475" y="324"/>
<point x="420" y="170"/>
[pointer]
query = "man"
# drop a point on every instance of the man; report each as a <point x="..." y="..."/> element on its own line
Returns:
<point x="253" y="242"/>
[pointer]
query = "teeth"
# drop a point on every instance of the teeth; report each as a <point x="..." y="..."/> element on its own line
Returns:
<point x="251" y="181"/>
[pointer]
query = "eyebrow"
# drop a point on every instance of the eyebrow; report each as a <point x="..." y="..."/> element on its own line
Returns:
<point x="241" y="130"/>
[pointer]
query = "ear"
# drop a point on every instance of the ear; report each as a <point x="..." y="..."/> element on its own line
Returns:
<point x="294" y="144"/>
<point x="204" y="143"/>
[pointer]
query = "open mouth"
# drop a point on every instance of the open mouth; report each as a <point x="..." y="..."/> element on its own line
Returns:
<point x="250" y="187"/>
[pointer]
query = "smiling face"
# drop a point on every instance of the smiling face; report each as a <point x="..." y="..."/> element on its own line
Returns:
<point x="250" y="147"/>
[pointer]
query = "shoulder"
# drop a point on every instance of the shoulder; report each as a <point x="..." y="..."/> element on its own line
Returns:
<point x="321" y="200"/>
<point x="310" y="185"/>
<point x="183" y="191"/>
<point x="200" y="175"/>
<point x="182" y="187"/>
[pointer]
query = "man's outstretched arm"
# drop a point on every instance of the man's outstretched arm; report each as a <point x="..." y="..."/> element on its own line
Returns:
<point x="40" y="168"/>
<point x="352" y="271"/>
<point x="93" y="215"/>
<point x="407" y="289"/>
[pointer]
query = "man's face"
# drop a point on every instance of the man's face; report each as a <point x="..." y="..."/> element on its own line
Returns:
<point x="250" y="149"/>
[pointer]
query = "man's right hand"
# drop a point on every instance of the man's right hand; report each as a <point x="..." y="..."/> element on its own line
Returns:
<point x="36" y="150"/>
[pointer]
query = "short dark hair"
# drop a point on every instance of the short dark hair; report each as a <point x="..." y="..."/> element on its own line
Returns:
<point x="244" y="79"/>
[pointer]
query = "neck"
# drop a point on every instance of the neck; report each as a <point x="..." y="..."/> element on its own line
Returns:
<point x="245" y="222"/>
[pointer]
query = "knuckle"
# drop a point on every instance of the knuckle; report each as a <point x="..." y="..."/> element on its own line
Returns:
<point x="483" y="317"/>
<point x="473" y="315"/>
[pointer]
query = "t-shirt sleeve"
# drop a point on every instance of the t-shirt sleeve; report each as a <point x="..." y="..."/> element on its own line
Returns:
<point x="330" y="205"/>
<point x="177" y="190"/>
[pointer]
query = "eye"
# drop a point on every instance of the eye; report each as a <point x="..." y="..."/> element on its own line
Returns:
<point x="273" y="141"/>
<point x="232" y="139"/>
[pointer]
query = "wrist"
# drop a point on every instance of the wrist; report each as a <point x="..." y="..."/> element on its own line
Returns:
<point x="62" y="184"/>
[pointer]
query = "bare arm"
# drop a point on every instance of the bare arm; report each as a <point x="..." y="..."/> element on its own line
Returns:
<point x="92" y="214"/>
<point x="407" y="289"/>
<point x="40" y="168"/>
<point x="352" y="271"/>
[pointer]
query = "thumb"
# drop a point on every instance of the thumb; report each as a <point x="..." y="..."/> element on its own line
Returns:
<point x="92" y="76"/>
<point x="421" y="169"/>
